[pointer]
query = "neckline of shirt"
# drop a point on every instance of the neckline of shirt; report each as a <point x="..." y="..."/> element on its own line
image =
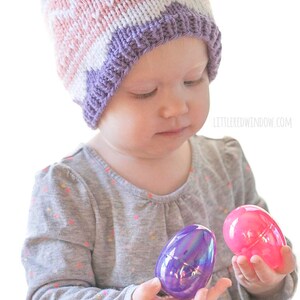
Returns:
<point x="182" y="191"/>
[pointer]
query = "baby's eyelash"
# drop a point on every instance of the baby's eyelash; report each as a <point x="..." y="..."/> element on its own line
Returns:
<point x="193" y="82"/>
<point x="146" y="95"/>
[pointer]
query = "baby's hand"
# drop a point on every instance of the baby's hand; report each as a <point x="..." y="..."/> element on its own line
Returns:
<point x="257" y="277"/>
<point x="149" y="290"/>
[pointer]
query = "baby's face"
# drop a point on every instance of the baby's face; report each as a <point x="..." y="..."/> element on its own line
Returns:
<point x="161" y="102"/>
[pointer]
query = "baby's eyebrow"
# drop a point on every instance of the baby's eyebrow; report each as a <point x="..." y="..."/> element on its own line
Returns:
<point x="200" y="67"/>
<point x="140" y="83"/>
<point x="137" y="81"/>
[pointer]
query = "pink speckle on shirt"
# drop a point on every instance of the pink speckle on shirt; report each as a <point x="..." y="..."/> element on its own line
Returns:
<point x="67" y="190"/>
<point x="71" y="222"/>
<point x="79" y="265"/>
<point x="45" y="189"/>
<point x="26" y="252"/>
<point x="248" y="169"/>
<point x="56" y="216"/>
<point x="68" y="158"/>
<point x="46" y="169"/>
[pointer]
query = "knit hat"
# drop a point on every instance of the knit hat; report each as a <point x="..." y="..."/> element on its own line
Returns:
<point x="98" y="41"/>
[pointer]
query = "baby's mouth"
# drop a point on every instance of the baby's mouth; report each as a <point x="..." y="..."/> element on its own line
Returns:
<point x="172" y="131"/>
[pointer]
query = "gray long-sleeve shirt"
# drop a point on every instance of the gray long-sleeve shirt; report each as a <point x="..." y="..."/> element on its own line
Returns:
<point x="94" y="235"/>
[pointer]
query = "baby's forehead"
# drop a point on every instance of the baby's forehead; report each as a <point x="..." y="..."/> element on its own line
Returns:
<point x="186" y="54"/>
<point x="184" y="43"/>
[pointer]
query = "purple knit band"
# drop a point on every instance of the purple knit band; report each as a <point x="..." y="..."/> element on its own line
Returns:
<point x="130" y="43"/>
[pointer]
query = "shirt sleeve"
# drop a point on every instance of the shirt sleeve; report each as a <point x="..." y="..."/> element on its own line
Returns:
<point x="57" y="252"/>
<point x="242" y="180"/>
<point x="243" y="186"/>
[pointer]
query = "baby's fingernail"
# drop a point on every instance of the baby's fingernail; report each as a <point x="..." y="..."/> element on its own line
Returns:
<point x="286" y="249"/>
<point x="255" y="259"/>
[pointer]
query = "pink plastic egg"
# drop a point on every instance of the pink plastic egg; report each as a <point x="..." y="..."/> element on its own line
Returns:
<point x="250" y="230"/>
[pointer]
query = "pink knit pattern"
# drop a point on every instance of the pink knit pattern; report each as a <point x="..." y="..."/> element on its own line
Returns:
<point x="76" y="26"/>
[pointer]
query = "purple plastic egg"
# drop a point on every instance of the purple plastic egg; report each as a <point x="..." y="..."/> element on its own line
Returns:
<point x="250" y="230"/>
<point x="186" y="263"/>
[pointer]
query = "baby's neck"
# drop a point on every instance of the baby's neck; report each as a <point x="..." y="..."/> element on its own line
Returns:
<point x="159" y="176"/>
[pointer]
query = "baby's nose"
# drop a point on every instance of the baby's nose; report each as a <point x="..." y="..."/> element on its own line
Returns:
<point x="174" y="105"/>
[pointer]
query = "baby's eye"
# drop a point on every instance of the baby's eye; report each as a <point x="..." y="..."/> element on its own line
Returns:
<point x="193" y="82"/>
<point x="144" y="95"/>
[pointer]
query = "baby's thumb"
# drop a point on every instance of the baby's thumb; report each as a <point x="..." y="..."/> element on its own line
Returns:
<point x="147" y="290"/>
<point x="152" y="286"/>
<point x="289" y="261"/>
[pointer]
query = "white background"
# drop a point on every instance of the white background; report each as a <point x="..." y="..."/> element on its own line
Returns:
<point x="258" y="80"/>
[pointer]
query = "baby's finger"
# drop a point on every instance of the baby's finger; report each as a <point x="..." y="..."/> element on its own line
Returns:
<point x="221" y="286"/>
<point x="289" y="262"/>
<point x="245" y="270"/>
<point x="236" y="268"/>
<point x="201" y="294"/>
<point x="263" y="272"/>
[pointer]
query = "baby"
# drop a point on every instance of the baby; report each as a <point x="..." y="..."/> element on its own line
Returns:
<point x="141" y="72"/>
